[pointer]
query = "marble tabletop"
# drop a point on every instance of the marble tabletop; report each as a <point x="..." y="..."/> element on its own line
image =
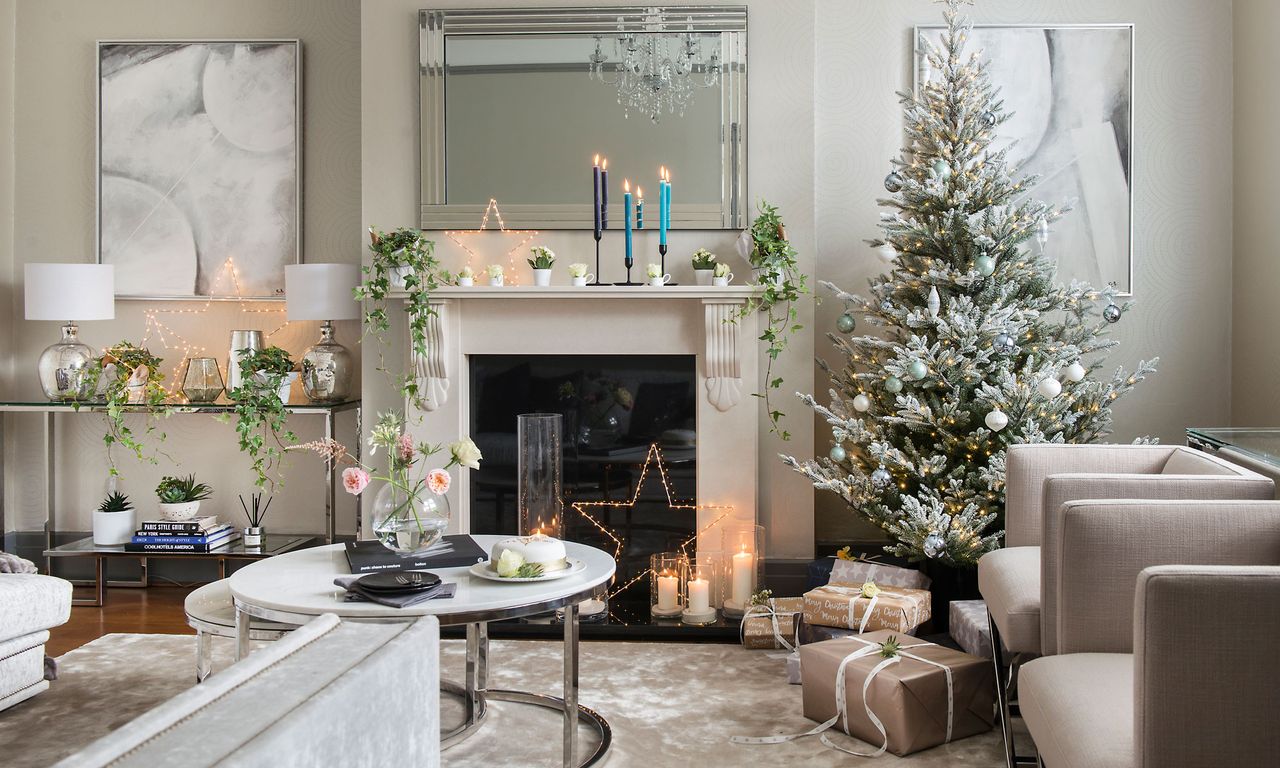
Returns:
<point x="301" y="583"/>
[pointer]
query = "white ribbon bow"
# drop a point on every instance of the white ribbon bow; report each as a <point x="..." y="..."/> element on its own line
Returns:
<point x="842" y="709"/>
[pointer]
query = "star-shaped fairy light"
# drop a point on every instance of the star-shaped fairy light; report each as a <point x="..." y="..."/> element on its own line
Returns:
<point x="170" y="339"/>
<point x="652" y="458"/>
<point x="523" y="235"/>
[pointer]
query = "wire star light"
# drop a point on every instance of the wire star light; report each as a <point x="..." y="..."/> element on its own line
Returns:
<point x="525" y="235"/>
<point x="653" y="456"/>
<point x="170" y="339"/>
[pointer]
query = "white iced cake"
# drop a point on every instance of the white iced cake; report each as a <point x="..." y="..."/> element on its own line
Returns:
<point x="537" y="549"/>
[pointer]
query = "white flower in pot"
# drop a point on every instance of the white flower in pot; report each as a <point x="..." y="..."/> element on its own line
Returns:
<point x="654" y="271"/>
<point x="180" y="497"/>
<point x="721" y="276"/>
<point x="543" y="258"/>
<point x="578" y="274"/>
<point x="495" y="273"/>
<point x="704" y="263"/>
<point x="467" y="277"/>
<point x="114" y="521"/>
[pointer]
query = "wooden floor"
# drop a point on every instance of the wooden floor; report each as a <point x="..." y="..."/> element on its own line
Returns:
<point x="155" y="610"/>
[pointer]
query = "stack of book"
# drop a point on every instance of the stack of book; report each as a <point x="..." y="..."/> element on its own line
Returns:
<point x="203" y="534"/>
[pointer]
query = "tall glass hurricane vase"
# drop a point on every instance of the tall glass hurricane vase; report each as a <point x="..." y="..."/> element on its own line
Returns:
<point x="539" y="474"/>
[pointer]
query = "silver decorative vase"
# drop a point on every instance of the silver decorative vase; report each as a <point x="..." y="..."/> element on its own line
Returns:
<point x="326" y="369"/>
<point x="240" y="340"/>
<point x="67" y="369"/>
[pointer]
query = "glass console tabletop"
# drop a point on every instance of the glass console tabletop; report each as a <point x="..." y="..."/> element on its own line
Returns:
<point x="273" y="544"/>
<point x="1260" y="443"/>
<point x="221" y="405"/>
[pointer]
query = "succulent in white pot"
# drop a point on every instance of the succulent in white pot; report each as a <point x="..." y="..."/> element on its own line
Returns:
<point x="114" y="521"/>
<point x="543" y="258"/>
<point x="704" y="264"/>
<point x="180" y="497"/>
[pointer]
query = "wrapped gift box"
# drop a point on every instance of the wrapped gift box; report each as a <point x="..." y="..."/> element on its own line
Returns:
<point x="793" y="669"/>
<point x="862" y="571"/>
<point x="969" y="626"/>
<point x="910" y="696"/>
<point x="842" y="605"/>
<point x="768" y="624"/>
<point x="816" y="633"/>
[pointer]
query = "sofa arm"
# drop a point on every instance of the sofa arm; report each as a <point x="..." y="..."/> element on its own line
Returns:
<point x="1027" y="466"/>
<point x="1062" y="488"/>
<point x="1105" y="544"/>
<point x="1205" y="693"/>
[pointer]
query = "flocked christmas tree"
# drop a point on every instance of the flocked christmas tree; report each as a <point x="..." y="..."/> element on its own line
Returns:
<point x="977" y="345"/>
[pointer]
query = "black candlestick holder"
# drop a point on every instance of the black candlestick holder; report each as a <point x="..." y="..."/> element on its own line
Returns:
<point x="598" y="234"/>
<point x="662" y="253"/>
<point x="628" y="262"/>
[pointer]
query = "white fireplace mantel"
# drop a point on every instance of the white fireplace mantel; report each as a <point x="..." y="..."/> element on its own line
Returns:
<point x="701" y="321"/>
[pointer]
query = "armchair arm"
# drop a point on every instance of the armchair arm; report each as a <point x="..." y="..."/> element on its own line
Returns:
<point x="1204" y="691"/>
<point x="1060" y="489"/>
<point x="1106" y="543"/>
<point x="1026" y="467"/>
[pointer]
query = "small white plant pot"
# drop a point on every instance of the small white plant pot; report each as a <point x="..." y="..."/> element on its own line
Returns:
<point x="721" y="282"/>
<point x="658" y="282"/>
<point x="466" y="282"/>
<point x="542" y="277"/>
<point x="579" y="282"/>
<point x="111" y="529"/>
<point x="703" y="276"/>
<point x="496" y="282"/>
<point x="180" y="512"/>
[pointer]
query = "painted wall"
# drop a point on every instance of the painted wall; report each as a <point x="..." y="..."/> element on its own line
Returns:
<point x="54" y="108"/>
<point x="1182" y="172"/>
<point x="1256" y="279"/>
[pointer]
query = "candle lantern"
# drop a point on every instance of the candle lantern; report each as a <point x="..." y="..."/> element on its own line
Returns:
<point x="699" y="588"/>
<point x="744" y="565"/>
<point x="667" y="574"/>
<point x="539" y="472"/>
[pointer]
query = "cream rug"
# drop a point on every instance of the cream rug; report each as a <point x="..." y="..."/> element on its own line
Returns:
<point x="669" y="705"/>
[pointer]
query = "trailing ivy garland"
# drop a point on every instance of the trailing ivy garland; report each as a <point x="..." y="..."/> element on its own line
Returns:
<point x="125" y="358"/>
<point x="260" y="413"/>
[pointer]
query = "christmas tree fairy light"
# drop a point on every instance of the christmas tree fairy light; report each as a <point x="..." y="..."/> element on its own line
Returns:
<point x="525" y="236"/>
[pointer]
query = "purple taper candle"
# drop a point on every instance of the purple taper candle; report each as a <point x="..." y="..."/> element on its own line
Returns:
<point x="604" y="193"/>
<point x="595" y="196"/>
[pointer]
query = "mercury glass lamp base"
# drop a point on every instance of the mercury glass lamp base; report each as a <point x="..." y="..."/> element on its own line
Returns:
<point x="326" y="369"/>
<point x="68" y="369"/>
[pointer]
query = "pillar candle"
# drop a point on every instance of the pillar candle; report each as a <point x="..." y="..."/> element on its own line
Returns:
<point x="667" y="588"/>
<point x="744" y="567"/>
<point x="699" y="596"/>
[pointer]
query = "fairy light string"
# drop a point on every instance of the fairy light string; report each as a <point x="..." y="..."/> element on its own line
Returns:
<point x="525" y="236"/>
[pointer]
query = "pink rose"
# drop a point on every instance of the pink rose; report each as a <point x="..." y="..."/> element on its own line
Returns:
<point x="354" y="480"/>
<point x="438" y="481"/>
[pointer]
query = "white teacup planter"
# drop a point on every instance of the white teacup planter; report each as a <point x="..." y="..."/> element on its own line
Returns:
<point x="720" y="282"/>
<point x="111" y="529"/>
<point x="180" y="512"/>
<point x="658" y="282"/>
<point x="579" y="282"/>
<point x="466" y="282"/>
<point x="496" y="282"/>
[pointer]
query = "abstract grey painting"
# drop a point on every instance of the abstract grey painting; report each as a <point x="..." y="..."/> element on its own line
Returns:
<point x="1070" y="92"/>
<point x="198" y="181"/>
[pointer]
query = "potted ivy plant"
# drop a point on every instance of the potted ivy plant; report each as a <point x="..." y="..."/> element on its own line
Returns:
<point x="130" y="375"/>
<point x="261" y="415"/>
<point x="543" y="258"/>
<point x="114" y="521"/>
<point x="270" y="367"/>
<point x="180" y="497"/>
<point x="704" y="264"/>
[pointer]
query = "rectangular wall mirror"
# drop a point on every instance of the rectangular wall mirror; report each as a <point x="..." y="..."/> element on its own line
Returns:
<point x="516" y="102"/>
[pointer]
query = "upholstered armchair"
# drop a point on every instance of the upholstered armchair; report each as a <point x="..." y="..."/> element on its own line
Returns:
<point x="1167" y="637"/>
<point x="30" y="605"/>
<point x="1017" y="581"/>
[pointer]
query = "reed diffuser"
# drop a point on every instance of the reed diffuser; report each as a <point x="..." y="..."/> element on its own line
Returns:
<point x="256" y="512"/>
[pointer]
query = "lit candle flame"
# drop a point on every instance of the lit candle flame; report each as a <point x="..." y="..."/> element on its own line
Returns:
<point x="604" y="164"/>
<point x="626" y="186"/>
<point x="595" y="160"/>
<point x="640" y="193"/>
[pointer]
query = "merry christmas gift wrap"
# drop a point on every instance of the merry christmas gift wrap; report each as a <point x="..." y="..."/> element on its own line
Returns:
<point x="867" y="607"/>
<point x="772" y="624"/>
<point x="918" y="696"/>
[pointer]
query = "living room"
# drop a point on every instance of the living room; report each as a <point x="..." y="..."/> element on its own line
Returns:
<point x="740" y="383"/>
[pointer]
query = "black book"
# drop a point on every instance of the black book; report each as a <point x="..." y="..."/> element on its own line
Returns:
<point x="371" y="556"/>
<point x="197" y="527"/>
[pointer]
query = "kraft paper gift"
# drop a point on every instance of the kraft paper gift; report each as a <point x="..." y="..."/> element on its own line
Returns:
<point x="772" y="624"/>
<point x="924" y="696"/>
<point x="844" y="605"/>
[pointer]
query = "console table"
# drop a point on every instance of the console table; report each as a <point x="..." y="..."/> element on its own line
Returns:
<point x="1256" y="448"/>
<point x="85" y="547"/>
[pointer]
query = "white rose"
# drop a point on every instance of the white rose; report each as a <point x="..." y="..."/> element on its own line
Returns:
<point x="465" y="453"/>
<point x="509" y="563"/>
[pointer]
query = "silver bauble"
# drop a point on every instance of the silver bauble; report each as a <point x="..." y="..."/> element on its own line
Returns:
<point x="941" y="169"/>
<point x="845" y="323"/>
<point x="1003" y="344"/>
<point x="985" y="265"/>
<point x="988" y="119"/>
<point x="934" y="545"/>
<point x="893" y="385"/>
<point x="838" y="453"/>
<point x="1111" y="313"/>
<point x="893" y="182"/>
<point x="917" y="370"/>
<point x="881" y="478"/>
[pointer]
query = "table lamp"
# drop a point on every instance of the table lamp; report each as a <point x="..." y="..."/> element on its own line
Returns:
<point x="69" y="292"/>
<point x="323" y="292"/>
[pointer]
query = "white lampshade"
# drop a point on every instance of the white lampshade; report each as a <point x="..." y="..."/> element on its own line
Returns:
<point x="321" y="291"/>
<point x="68" y="292"/>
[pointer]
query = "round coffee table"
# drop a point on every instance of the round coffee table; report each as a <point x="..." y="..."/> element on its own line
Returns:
<point x="295" y="587"/>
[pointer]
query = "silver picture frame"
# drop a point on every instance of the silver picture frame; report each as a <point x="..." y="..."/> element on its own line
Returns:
<point x="290" y="175"/>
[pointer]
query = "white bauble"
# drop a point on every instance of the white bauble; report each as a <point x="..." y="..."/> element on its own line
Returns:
<point x="886" y="253"/>
<point x="861" y="403"/>
<point x="1049" y="387"/>
<point x="997" y="420"/>
<point x="934" y="303"/>
<point x="1074" y="372"/>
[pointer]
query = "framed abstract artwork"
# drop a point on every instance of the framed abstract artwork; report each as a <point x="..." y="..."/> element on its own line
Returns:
<point x="1069" y="90"/>
<point x="199" y="179"/>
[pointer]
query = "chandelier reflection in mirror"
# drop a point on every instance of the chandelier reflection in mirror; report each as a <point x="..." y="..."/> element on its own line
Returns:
<point x="655" y="72"/>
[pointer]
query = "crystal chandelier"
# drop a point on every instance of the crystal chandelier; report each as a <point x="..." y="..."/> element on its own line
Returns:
<point x="656" y="72"/>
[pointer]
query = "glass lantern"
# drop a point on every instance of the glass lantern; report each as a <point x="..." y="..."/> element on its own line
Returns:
<point x="700" y="589"/>
<point x="539" y="472"/>
<point x="667" y="575"/>
<point x="743" y="565"/>
<point x="202" y="382"/>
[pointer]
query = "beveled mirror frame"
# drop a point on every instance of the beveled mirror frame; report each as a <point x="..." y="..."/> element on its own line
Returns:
<point x="435" y="25"/>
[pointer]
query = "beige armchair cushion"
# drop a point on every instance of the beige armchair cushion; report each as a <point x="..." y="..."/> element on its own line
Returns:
<point x="1079" y="708"/>
<point x="1195" y="475"/>
<point x="1207" y="666"/>
<point x="1009" y="580"/>
<point x="1105" y="544"/>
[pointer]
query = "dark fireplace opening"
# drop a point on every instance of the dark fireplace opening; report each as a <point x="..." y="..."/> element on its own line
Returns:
<point x="615" y="408"/>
